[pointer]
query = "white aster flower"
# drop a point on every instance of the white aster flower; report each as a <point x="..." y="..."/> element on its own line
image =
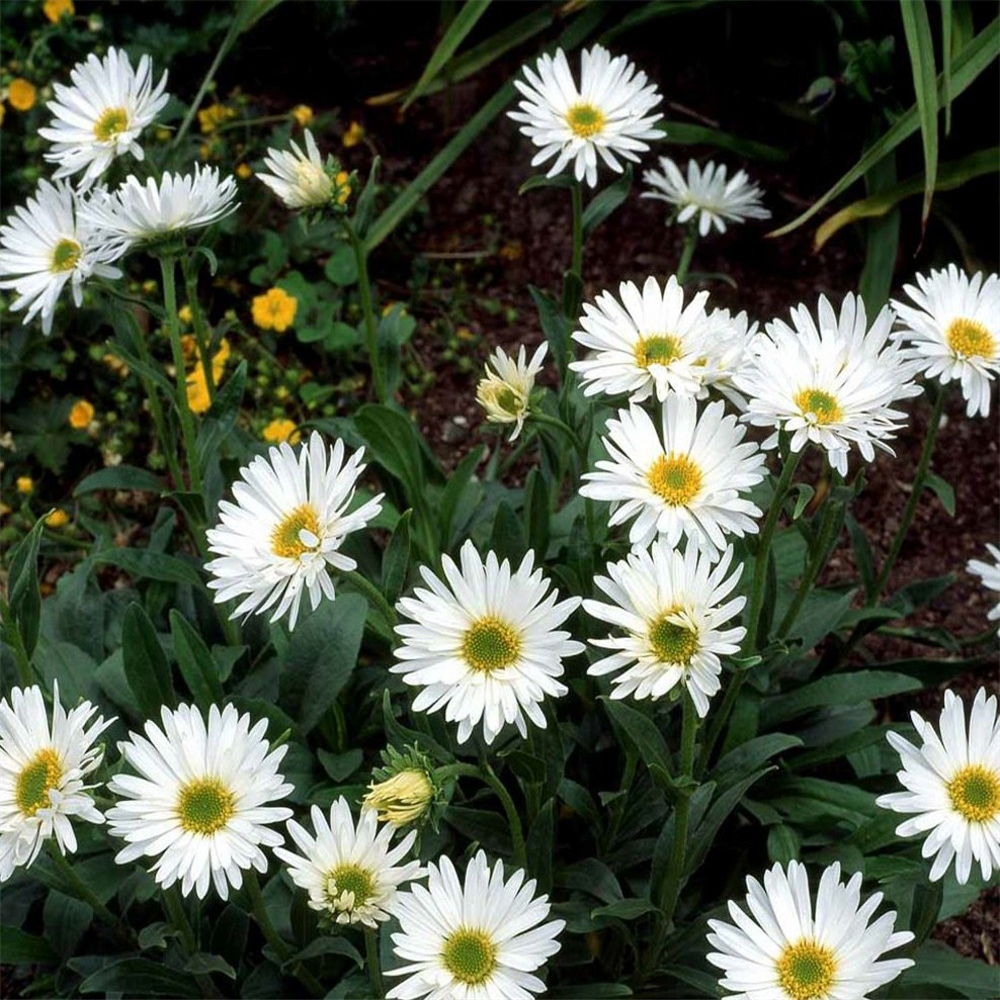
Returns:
<point x="284" y="532"/>
<point x="298" y="178"/>
<point x="833" y="383"/>
<point x="727" y="348"/>
<point x="147" y="213"/>
<point x="484" y="645"/>
<point x="687" y="483"/>
<point x="780" y="950"/>
<point x="953" y="786"/>
<point x="989" y="573"/>
<point x="103" y="114"/>
<point x="609" y="114"/>
<point x="201" y="803"/>
<point x="649" y="342"/>
<point x="46" y="244"/>
<point x="42" y="772"/>
<point x="671" y="608"/>
<point x="480" y="940"/>
<point x="707" y="194"/>
<point x="953" y="328"/>
<point x="505" y="392"/>
<point x="350" y="874"/>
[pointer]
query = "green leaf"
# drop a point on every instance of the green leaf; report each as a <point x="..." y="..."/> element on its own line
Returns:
<point x="941" y="487"/>
<point x="366" y="200"/>
<point x="327" y="945"/>
<point x="947" y="22"/>
<point x="602" y="205"/>
<point x="689" y="134"/>
<point x="195" y="663"/>
<point x="145" y="663"/>
<point x="917" y="29"/>
<point x="454" y="490"/>
<point x="553" y="325"/>
<point x="881" y="238"/>
<point x="863" y="557"/>
<point x="640" y="731"/>
<point x="625" y="909"/>
<point x="749" y="756"/>
<point x="540" y="844"/>
<point x="141" y="977"/>
<point x="25" y="597"/>
<point x="203" y="964"/>
<point x="342" y="267"/>
<point x="508" y="540"/>
<point x="837" y="689"/>
<point x="400" y="737"/>
<point x="592" y="877"/>
<point x="537" y="515"/>
<point x="66" y="921"/>
<point x="121" y="477"/>
<point x="822" y="611"/>
<point x="783" y="844"/>
<point x="937" y="965"/>
<point x="142" y="564"/>
<point x="396" y="559"/>
<point x="542" y="181"/>
<point x="322" y="653"/>
<point x="19" y="947"/>
<point x="340" y="766"/>
<point x="392" y="440"/>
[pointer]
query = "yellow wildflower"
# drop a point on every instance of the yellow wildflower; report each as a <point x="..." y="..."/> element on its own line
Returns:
<point x="5" y="509"/>
<point x="281" y="430"/>
<point x="243" y="171"/>
<point x="212" y="117"/>
<point x="354" y="134"/>
<point x="25" y="484"/>
<point x="303" y="114"/>
<point x="149" y="286"/>
<point x="54" y="9"/>
<point x="274" y="310"/>
<point x="402" y="798"/>
<point x="464" y="333"/>
<point x="197" y="385"/>
<point x="57" y="519"/>
<point x="116" y="365"/>
<point x="81" y="415"/>
<point x="342" y="182"/>
<point x="184" y="314"/>
<point x="162" y="134"/>
<point x="21" y="94"/>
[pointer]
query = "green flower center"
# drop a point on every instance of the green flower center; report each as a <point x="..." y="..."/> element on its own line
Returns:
<point x="349" y="879"/>
<point x="820" y="404"/>
<point x="491" y="644"/>
<point x="806" y="971"/>
<point x="38" y="776"/>
<point x="970" y="339"/>
<point x="675" y="479"/>
<point x="470" y="956"/>
<point x="657" y="350"/>
<point x="65" y="255"/>
<point x="205" y="806"/>
<point x="671" y="642"/>
<point x="286" y="536"/>
<point x="113" y="122"/>
<point x="975" y="793"/>
<point x="584" y="120"/>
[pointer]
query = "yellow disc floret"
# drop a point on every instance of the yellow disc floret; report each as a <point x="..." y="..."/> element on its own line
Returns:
<point x="112" y="122"/>
<point x="975" y="793"/>
<point x="820" y="405"/>
<point x="296" y="532"/>
<point x="671" y="642"/>
<point x="491" y="644"/>
<point x="675" y="479"/>
<point x="205" y="806"/>
<point x="470" y="956"/>
<point x="65" y="256"/>
<point x="349" y="887"/>
<point x="657" y="349"/>
<point x="37" y="778"/>
<point x="585" y="120"/>
<point x="806" y="970"/>
<point x="970" y="339"/>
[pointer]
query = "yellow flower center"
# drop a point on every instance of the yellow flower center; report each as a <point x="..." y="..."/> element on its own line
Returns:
<point x="349" y="878"/>
<point x="491" y="644"/>
<point x="975" y="793"/>
<point x="205" y="806"/>
<point x="675" y="479"/>
<point x="658" y="349"/>
<point x="971" y="339"/>
<point x="671" y="642"/>
<point x="113" y="122"/>
<point x="37" y="778"/>
<point x="296" y="533"/>
<point x="585" y="120"/>
<point x="820" y="404"/>
<point x="65" y="255"/>
<point x="806" y="970"/>
<point x="470" y="956"/>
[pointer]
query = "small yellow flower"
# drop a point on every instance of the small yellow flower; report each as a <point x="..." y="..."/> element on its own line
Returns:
<point x="343" y="185"/>
<point x="197" y="385"/>
<point x="281" y="430"/>
<point x="21" y="94"/>
<point x="243" y="171"/>
<point x="274" y="310"/>
<point x="303" y="115"/>
<point x="464" y="333"/>
<point x="57" y="519"/>
<point x="55" y="9"/>
<point x="25" y="484"/>
<point x="81" y="415"/>
<point x="116" y="365"/>
<point x="162" y="134"/>
<point x="354" y="134"/>
<point x="184" y="314"/>
<point x="402" y="798"/>
<point x="5" y="509"/>
<point x="149" y="286"/>
<point x="212" y="117"/>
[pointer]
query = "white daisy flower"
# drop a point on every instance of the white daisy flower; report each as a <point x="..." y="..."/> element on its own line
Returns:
<point x="687" y="483"/>
<point x="42" y="772"/>
<point x="727" y="348"/>
<point x="671" y="608"/>
<point x="953" y="786"/>
<point x="649" y="342"/>
<point x="46" y="244"/>
<point x="989" y="573"/>
<point x="505" y="392"/>
<point x="706" y="193"/>
<point x="103" y="114"/>
<point x="147" y="213"/>
<point x="350" y="874"/>
<point x="480" y="940"/>
<point x="484" y="645"/>
<point x="782" y="951"/>
<point x="953" y="328"/>
<point x="298" y="178"/>
<point x="200" y="805"/>
<point x="283" y="533"/>
<point x="833" y="383"/>
<point x="609" y="114"/>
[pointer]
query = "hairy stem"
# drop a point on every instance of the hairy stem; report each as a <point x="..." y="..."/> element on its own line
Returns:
<point x="365" y="292"/>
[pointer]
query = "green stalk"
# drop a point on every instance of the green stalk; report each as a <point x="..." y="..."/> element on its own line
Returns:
<point x="576" y="261"/>
<point x="543" y="418"/>
<point x="372" y="963"/>
<point x="201" y="334"/>
<point x="12" y="634"/>
<point x="690" y="241"/>
<point x="365" y="291"/>
<point x="918" y="485"/>
<point x="374" y="594"/>
<point x="78" y="888"/>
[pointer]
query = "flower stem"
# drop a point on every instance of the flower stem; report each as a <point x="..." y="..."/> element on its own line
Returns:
<point x="543" y="418"/>
<point x="201" y="334"/>
<point x="365" y="292"/>
<point x="372" y="963"/>
<point x="78" y="888"/>
<point x="918" y="485"/>
<point x="576" y="261"/>
<point x="687" y="252"/>
<point x="374" y="594"/>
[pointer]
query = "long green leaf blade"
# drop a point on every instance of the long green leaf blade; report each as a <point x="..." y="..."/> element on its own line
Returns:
<point x="946" y="43"/>
<point x="917" y="28"/>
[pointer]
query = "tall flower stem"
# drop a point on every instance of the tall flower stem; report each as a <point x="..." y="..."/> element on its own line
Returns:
<point x="367" y="310"/>
<point x="201" y="332"/>
<point x="576" y="261"/>
<point x="372" y="963"/>
<point x="918" y="486"/>
<point x="78" y="888"/>
<point x="687" y="252"/>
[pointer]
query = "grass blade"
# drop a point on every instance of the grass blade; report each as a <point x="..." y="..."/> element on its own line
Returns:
<point x="881" y="238"/>
<point x="946" y="42"/>
<point x="688" y="134"/>
<point x="917" y="28"/>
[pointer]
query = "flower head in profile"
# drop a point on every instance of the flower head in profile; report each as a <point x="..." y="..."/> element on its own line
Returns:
<point x="351" y="873"/>
<point x="299" y="178"/>
<point x="149" y="213"/>
<point x="647" y="343"/>
<point x="728" y="340"/>
<point x="477" y="938"/>
<point x="684" y="481"/>
<point x="707" y="195"/>
<point x="952" y="787"/>
<point x="274" y="310"/>
<point x="47" y="244"/>
<point x="832" y="381"/>
<point x="200" y="802"/>
<point x="608" y="115"/>
<point x="989" y="573"/>
<point x="42" y="768"/>
<point x="404" y="790"/>
<point x="671" y="607"/>
<point x="785" y="949"/>
<point x="953" y="329"/>
<point x="484" y="643"/>
<point x="283" y="534"/>
<point x="505" y="392"/>
<point x="101" y="116"/>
